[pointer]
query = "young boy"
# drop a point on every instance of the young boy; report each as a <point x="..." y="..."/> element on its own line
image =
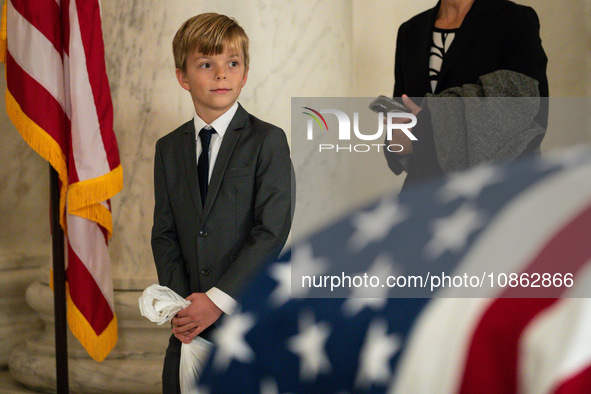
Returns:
<point x="222" y="186"/>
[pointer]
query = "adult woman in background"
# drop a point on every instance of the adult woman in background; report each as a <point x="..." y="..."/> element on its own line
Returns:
<point x="453" y="44"/>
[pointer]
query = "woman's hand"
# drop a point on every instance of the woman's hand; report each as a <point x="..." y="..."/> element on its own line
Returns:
<point x="398" y="136"/>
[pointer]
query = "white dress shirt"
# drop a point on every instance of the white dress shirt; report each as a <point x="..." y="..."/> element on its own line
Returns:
<point x="222" y="300"/>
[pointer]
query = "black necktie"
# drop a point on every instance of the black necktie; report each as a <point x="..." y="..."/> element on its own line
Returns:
<point x="203" y="162"/>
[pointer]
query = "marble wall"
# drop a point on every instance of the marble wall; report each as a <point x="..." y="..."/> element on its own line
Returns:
<point x="564" y="32"/>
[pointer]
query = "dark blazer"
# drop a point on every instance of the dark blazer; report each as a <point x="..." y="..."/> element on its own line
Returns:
<point x="245" y="220"/>
<point x="495" y="35"/>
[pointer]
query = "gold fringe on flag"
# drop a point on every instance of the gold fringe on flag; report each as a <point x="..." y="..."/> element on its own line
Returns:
<point x="43" y="144"/>
<point x="97" y="346"/>
<point x="85" y="197"/>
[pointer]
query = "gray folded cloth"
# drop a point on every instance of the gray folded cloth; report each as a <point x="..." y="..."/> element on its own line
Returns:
<point x="491" y="121"/>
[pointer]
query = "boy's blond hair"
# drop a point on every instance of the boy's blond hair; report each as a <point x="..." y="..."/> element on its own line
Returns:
<point x="209" y="34"/>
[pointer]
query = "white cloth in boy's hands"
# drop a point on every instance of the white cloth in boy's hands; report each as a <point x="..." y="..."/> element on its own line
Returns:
<point x="160" y="304"/>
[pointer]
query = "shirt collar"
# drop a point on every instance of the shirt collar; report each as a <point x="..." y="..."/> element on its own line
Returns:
<point x="220" y="124"/>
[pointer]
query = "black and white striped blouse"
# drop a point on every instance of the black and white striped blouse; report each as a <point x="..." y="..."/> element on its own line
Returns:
<point x="442" y="39"/>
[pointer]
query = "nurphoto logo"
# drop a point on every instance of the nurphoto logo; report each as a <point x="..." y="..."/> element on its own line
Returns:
<point x="394" y="121"/>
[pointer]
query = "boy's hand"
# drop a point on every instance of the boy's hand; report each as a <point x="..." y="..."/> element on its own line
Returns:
<point x="195" y="318"/>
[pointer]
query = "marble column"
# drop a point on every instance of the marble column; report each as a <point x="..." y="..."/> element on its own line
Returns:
<point x="134" y="366"/>
<point x="17" y="271"/>
<point x="298" y="48"/>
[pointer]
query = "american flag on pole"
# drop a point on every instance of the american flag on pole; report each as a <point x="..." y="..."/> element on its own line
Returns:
<point x="59" y="99"/>
<point x="529" y="216"/>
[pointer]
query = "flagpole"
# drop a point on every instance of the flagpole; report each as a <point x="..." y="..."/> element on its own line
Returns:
<point x="59" y="285"/>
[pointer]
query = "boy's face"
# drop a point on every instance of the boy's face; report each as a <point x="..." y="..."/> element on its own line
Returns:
<point x="214" y="81"/>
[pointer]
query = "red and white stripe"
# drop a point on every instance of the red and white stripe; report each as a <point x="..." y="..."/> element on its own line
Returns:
<point x="504" y="344"/>
<point x="56" y="74"/>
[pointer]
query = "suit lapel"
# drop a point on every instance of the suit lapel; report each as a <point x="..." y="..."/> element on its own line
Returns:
<point x="231" y="137"/>
<point x="472" y="25"/>
<point x="190" y="155"/>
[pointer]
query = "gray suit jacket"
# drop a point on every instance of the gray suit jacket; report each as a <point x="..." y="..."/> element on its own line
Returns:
<point x="247" y="213"/>
<point x="243" y="224"/>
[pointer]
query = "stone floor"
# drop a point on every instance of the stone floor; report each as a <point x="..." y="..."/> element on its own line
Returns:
<point x="9" y="385"/>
